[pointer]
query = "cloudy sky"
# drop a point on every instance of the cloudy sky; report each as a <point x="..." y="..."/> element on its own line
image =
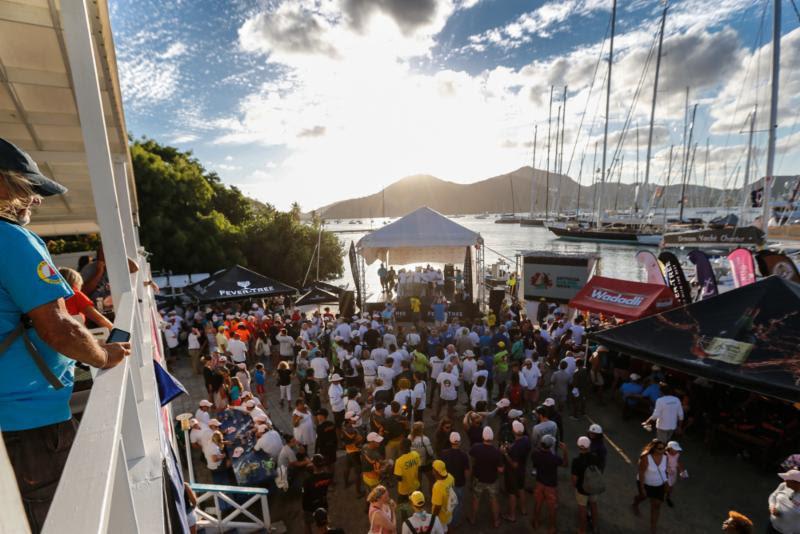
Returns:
<point x="320" y="100"/>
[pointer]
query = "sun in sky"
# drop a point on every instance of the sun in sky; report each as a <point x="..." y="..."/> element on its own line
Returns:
<point x="316" y="101"/>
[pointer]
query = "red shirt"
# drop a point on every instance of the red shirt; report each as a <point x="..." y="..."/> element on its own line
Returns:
<point x="77" y="303"/>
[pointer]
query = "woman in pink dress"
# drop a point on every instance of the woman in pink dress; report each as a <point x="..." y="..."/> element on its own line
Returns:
<point x="381" y="511"/>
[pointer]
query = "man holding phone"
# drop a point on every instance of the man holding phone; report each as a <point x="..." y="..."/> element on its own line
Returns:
<point x="39" y="341"/>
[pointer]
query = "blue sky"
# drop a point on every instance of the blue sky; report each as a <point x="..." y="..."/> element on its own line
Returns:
<point x="320" y="100"/>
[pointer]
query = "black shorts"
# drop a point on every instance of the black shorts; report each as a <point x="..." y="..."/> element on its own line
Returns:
<point x="654" y="492"/>
<point x="354" y="460"/>
<point x="515" y="481"/>
<point x="338" y="418"/>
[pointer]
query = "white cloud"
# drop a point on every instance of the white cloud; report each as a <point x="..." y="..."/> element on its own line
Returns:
<point x="145" y="81"/>
<point x="228" y="158"/>
<point x="184" y="138"/>
<point x="176" y="49"/>
<point x="227" y="167"/>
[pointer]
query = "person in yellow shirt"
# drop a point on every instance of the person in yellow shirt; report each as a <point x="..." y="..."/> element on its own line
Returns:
<point x="441" y="496"/>
<point x="222" y="340"/>
<point x="406" y="470"/>
<point x="415" y="305"/>
<point x="491" y="319"/>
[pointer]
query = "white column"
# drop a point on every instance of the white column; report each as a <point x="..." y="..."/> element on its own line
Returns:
<point x="125" y="212"/>
<point x="81" y="54"/>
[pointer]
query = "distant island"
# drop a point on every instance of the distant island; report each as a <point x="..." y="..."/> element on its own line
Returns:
<point x="506" y="193"/>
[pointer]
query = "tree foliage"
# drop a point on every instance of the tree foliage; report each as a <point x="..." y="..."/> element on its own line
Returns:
<point x="192" y="222"/>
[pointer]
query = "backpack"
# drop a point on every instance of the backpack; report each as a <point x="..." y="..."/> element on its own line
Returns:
<point x="423" y="528"/>
<point x="593" y="483"/>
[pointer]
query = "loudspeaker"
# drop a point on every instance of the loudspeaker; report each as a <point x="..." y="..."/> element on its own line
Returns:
<point x="347" y="304"/>
<point x="449" y="271"/>
<point x="449" y="288"/>
<point x="496" y="297"/>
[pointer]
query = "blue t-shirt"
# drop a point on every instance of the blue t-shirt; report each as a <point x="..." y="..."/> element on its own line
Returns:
<point x="261" y="379"/>
<point x="28" y="279"/>
<point x="630" y="388"/>
<point x="438" y="311"/>
<point x="652" y="392"/>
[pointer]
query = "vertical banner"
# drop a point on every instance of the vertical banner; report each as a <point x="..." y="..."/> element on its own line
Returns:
<point x="675" y="277"/>
<point x="650" y="263"/>
<point x="706" y="278"/>
<point x="781" y="265"/>
<point x="356" y="273"/>
<point x="743" y="268"/>
<point x="467" y="275"/>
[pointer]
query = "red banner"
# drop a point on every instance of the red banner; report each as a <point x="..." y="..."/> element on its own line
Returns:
<point x="743" y="267"/>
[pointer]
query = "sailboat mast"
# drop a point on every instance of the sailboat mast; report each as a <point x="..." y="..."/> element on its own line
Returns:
<point x="555" y="162"/>
<point x="594" y="177"/>
<point x="685" y="176"/>
<point x="645" y="207"/>
<point x="773" y="114"/>
<point x="636" y="188"/>
<point x="705" y="175"/>
<point x="547" y="174"/>
<point x="561" y="152"/>
<point x="666" y="186"/>
<point x="748" y="164"/>
<point x="608" y="107"/>
<point x="533" y="168"/>
<point x="619" y="181"/>
<point x="580" y="175"/>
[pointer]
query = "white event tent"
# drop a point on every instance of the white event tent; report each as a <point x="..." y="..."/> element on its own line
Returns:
<point x="424" y="236"/>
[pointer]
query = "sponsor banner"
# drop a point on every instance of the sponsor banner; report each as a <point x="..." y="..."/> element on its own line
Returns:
<point x="651" y="265"/>
<point x="675" y="277"/>
<point x="356" y="274"/>
<point x="244" y="291"/>
<point x="743" y="268"/>
<point x="706" y="278"/>
<point x="727" y="350"/>
<point x="555" y="279"/>
<point x="781" y="265"/>
<point x="609" y="296"/>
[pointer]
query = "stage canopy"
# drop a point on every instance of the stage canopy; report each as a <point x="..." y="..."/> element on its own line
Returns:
<point x="315" y="296"/>
<point x="622" y="299"/>
<point x="747" y="337"/>
<point x="422" y="236"/>
<point x="237" y="283"/>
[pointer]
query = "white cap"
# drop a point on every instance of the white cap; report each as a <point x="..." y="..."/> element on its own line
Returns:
<point x="374" y="437"/>
<point x="259" y="419"/>
<point x="584" y="442"/>
<point x="674" y="445"/>
<point x="336" y="377"/>
<point x="250" y="404"/>
<point x="214" y="422"/>
<point x="517" y="427"/>
<point x="513" y="414"/>
<point x="469" y="354"/>
<point x="549" y="402"/>
<point x="595" y="429"/>
<point x="455" y="437"/>
<point x="635" y="377"/>
<point x="205" y="404"/>
<point x="791" y="474"/>
<point x="503" y="403"/>
<point x="488" y="434"/>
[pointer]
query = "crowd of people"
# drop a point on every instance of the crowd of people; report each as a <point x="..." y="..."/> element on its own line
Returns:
<point x="431" y="420"/>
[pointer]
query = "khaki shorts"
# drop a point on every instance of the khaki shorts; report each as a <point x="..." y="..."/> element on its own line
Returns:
<point x="583" y="500"/>
<point x="479" y="488"/>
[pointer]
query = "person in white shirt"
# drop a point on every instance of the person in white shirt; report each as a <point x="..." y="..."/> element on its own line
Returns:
<point x="468" y="369"/>
<point x="389" y="338"/>
<point x="342" y="330"/>
<point x="199" y="434"/>
<point x="532" y="374"/>
<point x="784" y="504"/>
<point x="419" y="396"/>
<point x="448" y="392"/>
<point x="237" y="349"/>
<point x="172" y="339"/>
<point x="370" y="367"/>
<point x="668" y="414"/>
<point x="268" y="441"/>
<point x="250" y="408"/>
<point x="244" y="376"/>
<point x="578" y="331"/>
<point x="437" y="366"/>
<point x="202" y="414"/>
<point x="478" y="392"/>
<point x="351" y="405"/>
<point x="286" y="344"/>
<point x="193" y="346"/>
<point x="380" y="354"/>
<point x="420" y="520"/>
<point x="412" y="338"/>
<point x="321" y="367"/>
<point x="336" y="396"/>
<point x="571" y="362"/>
<point x="304" y="431"/>
<point x="386" y="372"/>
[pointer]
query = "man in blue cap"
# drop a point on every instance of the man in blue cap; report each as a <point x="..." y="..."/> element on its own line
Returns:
<point x="39" y="341"/>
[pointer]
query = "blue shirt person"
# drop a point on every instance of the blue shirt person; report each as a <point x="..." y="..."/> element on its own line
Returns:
<point x="630" y="389"/>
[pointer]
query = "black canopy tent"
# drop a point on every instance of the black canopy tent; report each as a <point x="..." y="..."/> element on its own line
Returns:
<point x="315" y="296"/>
<point x="325" y="286"/>
<point x="236" y="283"/>
<point x="748" y="337"/>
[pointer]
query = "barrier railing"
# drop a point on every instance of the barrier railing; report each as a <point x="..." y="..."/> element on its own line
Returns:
<point x="237" y="514"/>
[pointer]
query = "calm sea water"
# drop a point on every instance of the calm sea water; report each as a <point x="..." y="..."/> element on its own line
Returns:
<point x="617" y="261"/>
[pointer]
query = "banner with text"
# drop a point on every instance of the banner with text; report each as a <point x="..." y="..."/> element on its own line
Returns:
<point x="555" y="278"/>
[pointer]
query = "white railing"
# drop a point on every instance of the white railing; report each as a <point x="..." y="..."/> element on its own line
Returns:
<point x="216" y="519"/>
<point x="112" y="479"/>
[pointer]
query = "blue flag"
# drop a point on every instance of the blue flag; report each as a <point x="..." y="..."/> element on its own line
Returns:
<point x="168" y="385"/>
<point x="706" y="278"/>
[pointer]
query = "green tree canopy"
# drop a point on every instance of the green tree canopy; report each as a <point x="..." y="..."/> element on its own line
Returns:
<point x="192" y="222"/>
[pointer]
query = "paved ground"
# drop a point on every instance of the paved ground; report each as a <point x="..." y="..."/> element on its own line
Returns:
<point x="718" y="481"/>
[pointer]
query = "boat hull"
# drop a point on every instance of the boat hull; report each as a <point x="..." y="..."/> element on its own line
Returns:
<point x="598" y="236"/>
<point x="716" y="238"/>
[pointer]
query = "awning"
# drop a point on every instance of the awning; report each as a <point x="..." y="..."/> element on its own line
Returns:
<point x="748" y="337"/>
<point x="317" y="296"/>
<point x="424" y="235"/>
<point x="623" y="299"/>
<point x="237" y="283"/>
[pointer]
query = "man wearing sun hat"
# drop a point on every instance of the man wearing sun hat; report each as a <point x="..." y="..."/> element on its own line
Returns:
<point x="372" y="460"/>
<point x="202" y="414"/>
<point x="420" y="520"/>
<point x="443" y="494"/>
<point x="784" y="504"/>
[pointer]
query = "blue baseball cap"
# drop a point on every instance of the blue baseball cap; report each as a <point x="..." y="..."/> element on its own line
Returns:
<point x="16" y="160"/>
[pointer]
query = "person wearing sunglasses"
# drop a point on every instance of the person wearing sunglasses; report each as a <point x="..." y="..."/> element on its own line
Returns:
<point x="651" y="480"/>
